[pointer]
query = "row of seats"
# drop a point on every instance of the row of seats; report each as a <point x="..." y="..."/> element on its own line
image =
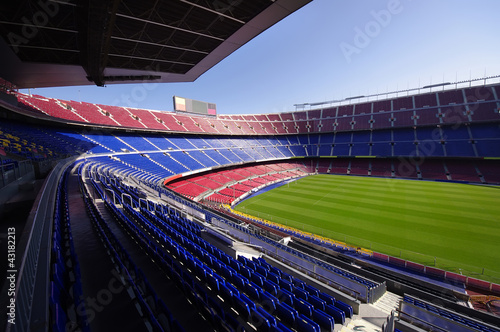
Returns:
<point x="226" y="195"/>
<point x="448" y="314"/>
<point x="428" y="109"/>
<point x="65" y="285"/>
<point x="155" y="313"/>
<point x="172" y="257"/>
<point x="476" y="140"/>
<point x="211" y="260"/>
<point x="230" y="269"/>
<point x="478" y="170"/>
<point x="195" y="185"/>
<point x="307" y="258"/>
<point x="33" y="142"/>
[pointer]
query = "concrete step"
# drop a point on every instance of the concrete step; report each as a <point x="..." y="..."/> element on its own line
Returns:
<point x="361" y="325"/>
<point x="388" y="302"/>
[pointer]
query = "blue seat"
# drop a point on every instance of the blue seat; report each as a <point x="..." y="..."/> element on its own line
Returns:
<point x="325" y="321"/>
<point x="299" y="283"/>
<point x="286" y="313"/>
<point x="300" y="293"/>
<point x="262" y="270"/>
<point x="337" y="314"/>
<point x="245" y="271"/>
<point x="258" y="279"/>
<point x="214" y="304"/>
<point x="251" y="304"/>
<point x="268" y="301"/>
<point x="273" y="277"/>
<point x="286" y="276"/>
<point x="268" y="316"/>
<point x="240" y="281"/>
<point x="282" y="328"/>
<point x="303" y="307"/>
<point x="214" y="281"/>
<point x="347" y="309"/>
<point x="241" y="306"/>
<point x="251" y="264"/>
<point x="232" y="289"/>
<point x="253" y="291"/>
<point x="276" y="271"/>
<point x="285" y="284"/>
<point x="259" y="321"/>
<point x="317" y="302"/>
<point x="305" y="324"/>
<point x="312" y="290"/>
<point x="328" y="298"/>
<point x="242" y="259"/>
<point x="198" y="289"/>
<point x="235" y="264"/>
<point x="226" y="294"/>
<point x="285" y="296"/>
<point x="271" y="287"/>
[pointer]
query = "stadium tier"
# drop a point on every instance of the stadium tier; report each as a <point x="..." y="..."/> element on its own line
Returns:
<point x="439" y="108"/>
<point x="153" y="193"/>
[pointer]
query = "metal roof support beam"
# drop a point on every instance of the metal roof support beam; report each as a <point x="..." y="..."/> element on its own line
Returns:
<point x="213" y="11"/>
<point x="160" y="45"/>
<point x="170" y="27"/>
<point x="96" y="20"/>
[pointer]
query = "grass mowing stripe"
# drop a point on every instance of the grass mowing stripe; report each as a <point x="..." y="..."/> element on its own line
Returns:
<point x="451" y="221"/>
<point x="446" y="217"/>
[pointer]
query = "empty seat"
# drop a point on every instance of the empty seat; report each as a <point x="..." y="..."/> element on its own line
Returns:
<point x="286" y="313"/>
<point x="317" y="302"/>
<point x="347" y="309"/>
<point x="299" y="292"/>
<point x="259" y="321"/>
<point x="268" y="301"/>
<point x="271" y="287"/>
<point x="305" y="324"/>
<point x="303" y="307"/>
<point x="337" y="314"/>
<point x="328" y="298"/>
<point x="285" y="296"/>
<point x="241" y="306"/>
<point x="325" y="321"/>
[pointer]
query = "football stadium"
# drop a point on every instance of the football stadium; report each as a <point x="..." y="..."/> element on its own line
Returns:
<point x="377" y="212"/>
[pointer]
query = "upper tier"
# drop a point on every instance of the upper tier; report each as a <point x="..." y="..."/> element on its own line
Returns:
<point x="463" y="105"/>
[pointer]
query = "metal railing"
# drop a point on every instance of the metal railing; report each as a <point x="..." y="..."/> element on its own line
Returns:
<point x="32" y="291"/>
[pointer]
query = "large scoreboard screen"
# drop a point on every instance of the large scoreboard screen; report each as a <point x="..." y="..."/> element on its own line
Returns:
<point x="194" y="106"/>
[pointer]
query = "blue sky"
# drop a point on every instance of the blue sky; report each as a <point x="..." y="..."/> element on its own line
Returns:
<point x="332" y="49"/>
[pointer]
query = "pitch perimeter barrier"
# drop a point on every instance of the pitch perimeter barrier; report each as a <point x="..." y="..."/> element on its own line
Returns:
<point x="440" y="273"/>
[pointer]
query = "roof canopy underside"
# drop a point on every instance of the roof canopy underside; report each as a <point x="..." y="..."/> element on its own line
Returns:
<point x="76" y="42"/>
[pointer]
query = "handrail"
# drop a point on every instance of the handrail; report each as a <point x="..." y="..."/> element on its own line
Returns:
<point x="32" y="292"/>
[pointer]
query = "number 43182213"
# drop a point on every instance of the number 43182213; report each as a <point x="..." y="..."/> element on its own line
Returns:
<point x="11" y="246"/>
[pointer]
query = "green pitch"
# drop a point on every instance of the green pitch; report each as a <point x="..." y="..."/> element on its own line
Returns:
<point x="449" y="225"/>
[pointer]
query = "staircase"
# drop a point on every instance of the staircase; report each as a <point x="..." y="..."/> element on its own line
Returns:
<point x="388" y="302"/>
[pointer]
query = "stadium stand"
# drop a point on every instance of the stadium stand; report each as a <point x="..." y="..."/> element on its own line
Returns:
<point x="163" y="183"/>
<point x="424" y="314"/>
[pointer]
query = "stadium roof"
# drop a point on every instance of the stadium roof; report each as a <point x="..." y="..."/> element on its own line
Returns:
<point x="75" y="42"/>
